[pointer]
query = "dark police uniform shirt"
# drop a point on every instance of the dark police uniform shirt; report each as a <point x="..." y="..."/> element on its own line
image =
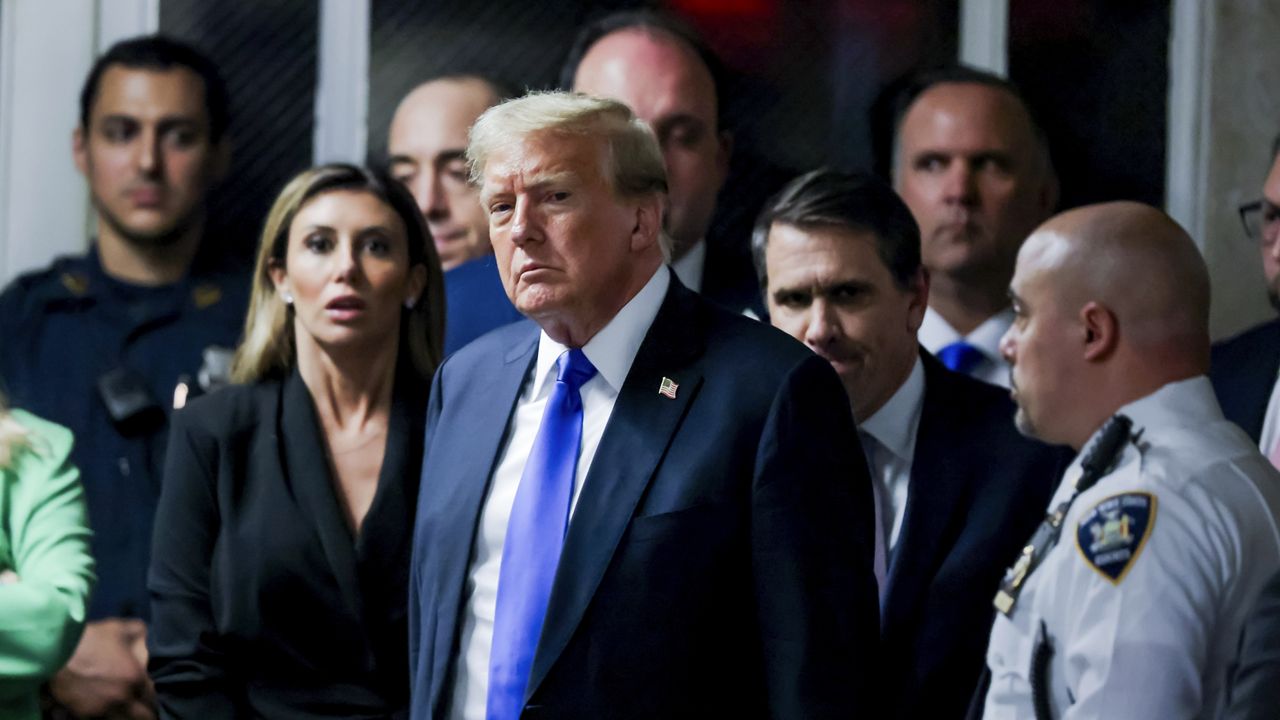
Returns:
<point x="63" y="328"/>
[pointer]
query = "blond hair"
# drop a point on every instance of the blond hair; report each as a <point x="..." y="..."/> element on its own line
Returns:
<point x="633" y="158"/>
<point x="267" y="349"/>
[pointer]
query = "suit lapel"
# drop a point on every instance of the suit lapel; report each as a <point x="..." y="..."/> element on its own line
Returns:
<point x="635" y="440"/>
<point x="475" y="440"/>
<point x="308" y="474"/>
<point x="933" y="498"/>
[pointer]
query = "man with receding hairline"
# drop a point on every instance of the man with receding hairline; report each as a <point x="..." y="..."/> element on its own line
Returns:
<point x="426" y="146"/>
<point x="658" y="66"/>
<point x="1130" y="599"/>
<point x="973" y="166"/>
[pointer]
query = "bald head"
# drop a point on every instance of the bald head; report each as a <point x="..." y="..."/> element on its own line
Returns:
<point x="1111" y="303"/>
<point x="1136" y="261"/>
<point x="427" y="141"/>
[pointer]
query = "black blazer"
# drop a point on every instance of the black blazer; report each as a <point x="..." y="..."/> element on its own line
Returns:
<point x="719" y="560"/>
<point x="978" y="490"/>
<point x="262" y="602"/>
<point x="1243" y="374"/>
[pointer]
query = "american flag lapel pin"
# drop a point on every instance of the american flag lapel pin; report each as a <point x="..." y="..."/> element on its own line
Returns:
<point x="668" y="388"/>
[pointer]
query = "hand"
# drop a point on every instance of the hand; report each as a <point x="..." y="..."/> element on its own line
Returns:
<point x="107" y="675"/>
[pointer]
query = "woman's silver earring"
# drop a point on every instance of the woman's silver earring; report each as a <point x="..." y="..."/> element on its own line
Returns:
<point x="288" y="298"/>
<point x="409" y="303"/>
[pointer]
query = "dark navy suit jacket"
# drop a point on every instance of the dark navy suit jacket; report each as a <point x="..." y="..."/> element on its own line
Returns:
<point x="978" y="490"/>
<point x="475" y="302"/>
<point x="1244" y="372"/>
<point x="719" y="559"/>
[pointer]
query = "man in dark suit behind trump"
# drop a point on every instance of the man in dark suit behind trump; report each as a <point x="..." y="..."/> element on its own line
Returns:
<point x="637" y="505"/>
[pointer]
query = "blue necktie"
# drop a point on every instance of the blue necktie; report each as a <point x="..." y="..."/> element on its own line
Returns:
<point x="961" y="356"/>
<point x="535" y="536"/>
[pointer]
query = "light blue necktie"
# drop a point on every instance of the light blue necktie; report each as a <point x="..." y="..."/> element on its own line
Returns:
<point x="961" y="357"/>
<point x="535" y="536"/>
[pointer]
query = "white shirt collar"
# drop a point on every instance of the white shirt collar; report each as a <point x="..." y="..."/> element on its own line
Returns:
<point x="689" y="267"/>
<point x="614" y="347"/>
<point x="936" y="333"/>
<point x="895" y="424"/>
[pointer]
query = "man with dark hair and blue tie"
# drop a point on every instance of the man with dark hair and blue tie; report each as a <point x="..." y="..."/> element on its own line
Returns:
<point x="637" y="504"/>
<point x="973" y="166"/>
<point x="959" y="490"/>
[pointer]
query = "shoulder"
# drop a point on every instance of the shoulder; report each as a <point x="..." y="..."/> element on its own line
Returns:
<point x="229" y="410"/>
<point x="65" y="276"/>
<point x="1253" y="346"/>
<point x="491" y="348"/>
<point x="750" y="346"/>
<point x="43" y="442"/>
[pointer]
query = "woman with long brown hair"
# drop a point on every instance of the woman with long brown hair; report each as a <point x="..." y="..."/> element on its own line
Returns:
<point x="282" y="540"/>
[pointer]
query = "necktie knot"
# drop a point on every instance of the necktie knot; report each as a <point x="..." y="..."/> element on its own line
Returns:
<point x="961" y="356"/>
<point x="574" y="369"/>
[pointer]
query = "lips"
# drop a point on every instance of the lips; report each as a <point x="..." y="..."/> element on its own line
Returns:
<point x="346" y="302"/>
<point x="146" y="197"/>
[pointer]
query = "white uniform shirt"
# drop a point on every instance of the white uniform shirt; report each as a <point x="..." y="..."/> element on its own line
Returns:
<point x="936" y="333"/>
<point x="611" y="351"/>
<point x="1158" y="641"/>
<point x="894" y="426"/>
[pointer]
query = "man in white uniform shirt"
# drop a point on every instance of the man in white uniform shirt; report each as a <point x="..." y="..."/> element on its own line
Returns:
<point x="959" y="489"/>
<point x="973" y="166"/>
<point x="639" y="505"/>
<point x="1135" y="612"/>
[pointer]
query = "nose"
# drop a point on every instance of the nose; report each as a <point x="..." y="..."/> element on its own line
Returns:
<point x="821" y="329"/>
<point x="959" y="186"/>
<point x="1007" y="344"/>
<point x="346" y="264"/>
<point x="431" y="197"/>
<point x="524" y="223"/>
<point x="148" y="151"/>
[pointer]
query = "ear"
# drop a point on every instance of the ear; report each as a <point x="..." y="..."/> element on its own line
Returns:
<point x="918" y="289"/>
<point x="1101" y="331"/>
<point x="79" y="151"/>
<point x="648" y="222"/>
<point x="279" y="276"/>
<point x="417" y="283"/>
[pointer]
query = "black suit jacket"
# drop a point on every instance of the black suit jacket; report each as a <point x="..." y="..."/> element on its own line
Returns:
<point x="1244" y="372"/>
<point x="263" y="604"/>
<point x="719" y="560"/>
<point x="978" y="490"/>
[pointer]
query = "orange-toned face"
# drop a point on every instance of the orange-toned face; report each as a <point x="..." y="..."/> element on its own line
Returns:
<point x="565" y="244"/>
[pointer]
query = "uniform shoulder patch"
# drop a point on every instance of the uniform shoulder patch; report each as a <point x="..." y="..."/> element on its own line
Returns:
<point x="1113" y="532"/>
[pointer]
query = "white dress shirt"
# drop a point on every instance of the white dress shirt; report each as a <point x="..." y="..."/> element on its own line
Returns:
<point x="936" y="333"/>
<point x="611" y="351"/>
<point x="894" y="426"/>
<point x="1271" y="424"/>
<point x="690" y="265"/>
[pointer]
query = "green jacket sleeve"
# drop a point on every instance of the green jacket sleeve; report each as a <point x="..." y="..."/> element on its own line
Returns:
<point x="44" y="538"/>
